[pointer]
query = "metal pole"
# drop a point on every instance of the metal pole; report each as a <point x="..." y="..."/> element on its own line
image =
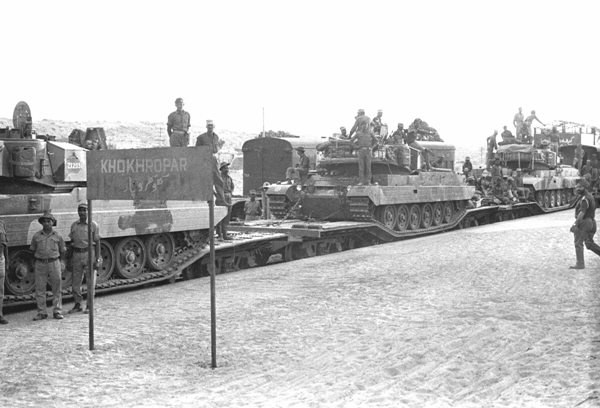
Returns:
<point x="213" y="312"/>
<point x="91" y="278"/>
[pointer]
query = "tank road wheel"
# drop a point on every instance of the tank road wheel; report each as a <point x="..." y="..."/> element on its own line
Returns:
<point x="563" y="198"/>
<point x="448" y="212"/>
<point x="414" y="217"/>
<point x="402" y="217"/>
<point x="130" y="255"/>
<point x="160" y="249"/>
<point x="426" y="215"/>
<point x="387" y="216"/>
<point x="547" y="199"/>
<point x="553" y="198"/>
<point x="104" y="271"/>
<point x="438" y="214"/>
<point x="20" y="276"/>
<point x="539" y="198"/>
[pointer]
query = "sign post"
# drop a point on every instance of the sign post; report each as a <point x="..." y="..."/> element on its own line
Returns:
<point x="176" y="173"/>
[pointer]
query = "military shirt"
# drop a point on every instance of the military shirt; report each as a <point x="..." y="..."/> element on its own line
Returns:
<point x="79" y="234"/>
<point x="361" y="128"/>
<point x="304" y="163"/>
<point x="45" y="246"/>
<point x="179" y="121"/>
<point x="227" y="184"/>
<point x="206" y="139"/>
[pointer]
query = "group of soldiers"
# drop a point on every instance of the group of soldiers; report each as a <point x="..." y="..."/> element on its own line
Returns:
<point x="494" y="187"/>
<point x="50" y="254"/>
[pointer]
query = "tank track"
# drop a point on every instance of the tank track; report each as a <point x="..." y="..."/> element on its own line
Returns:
<point x="279" y="206"/>
<point x="361" y="210"/>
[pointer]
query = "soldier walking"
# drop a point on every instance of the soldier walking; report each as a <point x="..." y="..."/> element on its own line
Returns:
<point x="48" y="249"/>
<point x="3" y="255"/>
<point x="584" y="227"/>
<point x="79" y="260"/>
<point x="178" y="126"/>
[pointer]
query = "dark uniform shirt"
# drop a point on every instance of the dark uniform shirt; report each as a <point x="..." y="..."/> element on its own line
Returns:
<point x="79" y="234"/>
<point x="587" y="206"/>
<point x="179" y="121"/>
<point x="227" y="183"/>
<point x="46" y="246"/>
<point x="304" y="163"/>
<point x="361" y="128"/>
<point x="206" y="139"/>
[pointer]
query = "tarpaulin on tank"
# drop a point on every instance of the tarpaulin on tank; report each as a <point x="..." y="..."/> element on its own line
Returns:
<point x="515" y="148"/>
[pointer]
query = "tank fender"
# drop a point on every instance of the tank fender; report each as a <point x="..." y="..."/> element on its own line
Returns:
<point x="386" y="195"/>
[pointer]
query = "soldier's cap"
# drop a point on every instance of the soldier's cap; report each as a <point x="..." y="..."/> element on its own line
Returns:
<point x="342" y="128"/>
<point x="379" y="111"/>
<point x="361" y="111"/>
<point x="300" y="149"/>
<point x="252" y="192"/>
<point x="584" y="183"/>
<point x="209" y="123"/>
<point x="223" y="164"/>
<point x="179" y="100"/>
<point x="467" y="158"/>
<point x="400" y="124"/>
<point x="82" y="205"/>
<point x="47" y="216"/>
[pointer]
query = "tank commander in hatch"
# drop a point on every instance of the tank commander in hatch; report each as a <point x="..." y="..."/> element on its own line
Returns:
<point x="211" y="139"/>
<point x="178" y="126"/>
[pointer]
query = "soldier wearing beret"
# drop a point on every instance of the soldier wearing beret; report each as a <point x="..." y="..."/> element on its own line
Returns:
<point x="79" y="260"/>
<point x="178" y="126"/>
<point x="48" y="249"/>
<point x="584" y="227"/>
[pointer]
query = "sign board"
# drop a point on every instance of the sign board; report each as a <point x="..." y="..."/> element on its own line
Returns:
<point x="174" y="173"/>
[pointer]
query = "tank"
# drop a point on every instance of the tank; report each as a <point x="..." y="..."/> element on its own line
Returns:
<point x="412" y="190"/>
<point x="550" y="184"/>
<point x="38" y="173"/>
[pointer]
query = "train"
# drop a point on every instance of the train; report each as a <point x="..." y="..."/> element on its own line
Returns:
<point x="413" y="192"/>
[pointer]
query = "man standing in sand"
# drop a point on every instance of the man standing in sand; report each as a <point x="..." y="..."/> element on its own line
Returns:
<point x="584" y="227"/>
<point x="178" y="125"/>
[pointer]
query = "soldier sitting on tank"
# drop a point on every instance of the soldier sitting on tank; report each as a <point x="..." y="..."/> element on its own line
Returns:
<point x="507" y="137"/>
<point x="398" y="136"/>
<point x="496" y="170"/>
<point x="292" y="175"/>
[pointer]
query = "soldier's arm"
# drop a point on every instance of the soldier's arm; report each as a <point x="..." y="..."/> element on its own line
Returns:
<point x="353" y="129"/>
<point x="33" y="246"/>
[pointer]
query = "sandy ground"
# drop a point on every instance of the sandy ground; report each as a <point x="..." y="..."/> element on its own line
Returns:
<point x="483" y="317"/>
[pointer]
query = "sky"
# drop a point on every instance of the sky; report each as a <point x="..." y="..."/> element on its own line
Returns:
<point x="462" y="66"/>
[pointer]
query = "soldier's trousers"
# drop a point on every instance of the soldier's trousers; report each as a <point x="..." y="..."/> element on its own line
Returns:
<point x="2" y="275"/>
<point x="584" y="234"/>
<point x="179" y="139"/>
<point x="44" y="273"/>
<point x="364" y="165"/>
<point x="79" y="266"/>
<point x="223" y="226"/>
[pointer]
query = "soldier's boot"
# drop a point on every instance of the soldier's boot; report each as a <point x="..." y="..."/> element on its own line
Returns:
<point x="580" y="262"/>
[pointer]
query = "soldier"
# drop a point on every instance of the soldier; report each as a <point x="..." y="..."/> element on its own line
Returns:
<point x="210" y="139"/>
<point x="586" y="168"/>
<point x="228" y="192"/>
<point x="507" y="136"/>
<point x="365" y="141"/>
<point x="252" y="208"/>
<point x="79" y="260"/>
<point x="584" y="227"/>
<point x="527" y="125"/>
<point x="467" y="167"/>
<point x="492" y="146"/>
<point x="304" y="164"/>
<point x="518" y="123"/>
<point x="399" y="135"/>
<point x="3" y="255"/>
<point x="48" y="249"/>
<point x="343" y="134"/>
<point x="376" y="123"/>
<point x="178" y="125"/>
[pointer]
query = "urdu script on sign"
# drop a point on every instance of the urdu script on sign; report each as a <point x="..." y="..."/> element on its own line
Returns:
<point x="132" y="166"/>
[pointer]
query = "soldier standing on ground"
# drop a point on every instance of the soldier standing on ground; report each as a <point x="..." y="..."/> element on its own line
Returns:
<point x="252" y="208"/>
<point x="228" y="193"/>
<point x="584" y="227"/>
<point x="518" y="123"/>
<point x="48" y="249"/>
<point x="79" y="260"/>
<point x="3" y="254"/>
<point x="178" y="125"/>
<point x="365" y="140"/>
<point x="210" y="139"/>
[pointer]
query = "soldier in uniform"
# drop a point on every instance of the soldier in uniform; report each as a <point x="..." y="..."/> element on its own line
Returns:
<point x="376" y="123"/>
<point x="304" y="163"/>
<point x="3" y="254"/>
<point x="48" y="249"/>
<point x="518" y="123"/>
<point x="398" y="136"/>
<point x="210" y="139"/>
<point x="228" y="192"/>
<point x="496" y="171"/>
<point x="365" y="141"/>
<point x="492" y="146"/>
<point x="507" y="136"/>
<point x="343" y="134"/>
<point x="79" y="260"/>
<point x="527" y="125"/>
<point x="178" y="125"/>
<point x="584" y="227"/>
<point x="467" y="167"/>
<point x="252" y="208"/>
